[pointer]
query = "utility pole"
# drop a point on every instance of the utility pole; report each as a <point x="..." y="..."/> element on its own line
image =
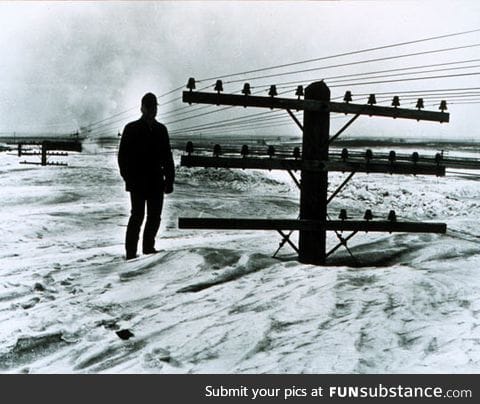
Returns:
<point x="314" y="164"/>
<point x="313" y="195"/>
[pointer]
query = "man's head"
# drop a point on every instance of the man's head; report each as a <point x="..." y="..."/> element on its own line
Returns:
<point x="149" y="106"/>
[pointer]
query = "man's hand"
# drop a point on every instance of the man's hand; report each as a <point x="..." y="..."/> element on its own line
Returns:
<point x="168" y="188"/>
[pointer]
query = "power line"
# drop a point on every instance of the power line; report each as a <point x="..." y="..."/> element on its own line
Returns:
<point x="296" y="82"/>
<point x="407" y="73"/>
<point x="251" y="118"/>
<point x="464" y="102"/>
<point x="130" y="109"/>
<point x="357" y="63"/>
<point x="378" y="59"/>
<point x="109" y="124"/>
<point x="233" y="124"/>
<point x="176" y="113"/>
<point x="191" y="109"/>
<point x="331" y="83"/>
<point x="248" y="117"/>
<point x="199" y="115"/>
<point x="445" y="90"/>
<point x="280" y="121"/>
<point x="203" y="114"/>
<point x="90" y="126"/>
<point x="202" y="126"/>
<point x="110" y="117"/>
<point x="343" y="54"/>
<point x="439" y="96"/>
<point x="407" y="79"/>
<point x="209" y="106"/>
<point x="342" y="85"/>
<point x="243" y="122"/>
<point x="228" y="121"/>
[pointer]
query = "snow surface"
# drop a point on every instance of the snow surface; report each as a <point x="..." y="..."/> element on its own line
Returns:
<point x="216" y="301"/>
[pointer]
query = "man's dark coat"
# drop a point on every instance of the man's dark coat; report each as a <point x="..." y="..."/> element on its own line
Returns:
<point x="145" y="158"/>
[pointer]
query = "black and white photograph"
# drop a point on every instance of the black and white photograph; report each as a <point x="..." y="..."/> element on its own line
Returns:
<point x="239" y="187"/>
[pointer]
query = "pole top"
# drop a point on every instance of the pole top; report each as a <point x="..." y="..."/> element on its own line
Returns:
<point x="317" y="90"/>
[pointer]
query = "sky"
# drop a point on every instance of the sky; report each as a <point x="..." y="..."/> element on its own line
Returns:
<point x="69" y="64"/>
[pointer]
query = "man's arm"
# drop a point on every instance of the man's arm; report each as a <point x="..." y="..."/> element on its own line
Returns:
<point x="123" y="153"/>
<point x="169" y="167"/>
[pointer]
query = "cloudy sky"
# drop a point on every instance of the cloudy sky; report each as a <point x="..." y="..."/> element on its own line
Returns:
<point x="69" y="64"/>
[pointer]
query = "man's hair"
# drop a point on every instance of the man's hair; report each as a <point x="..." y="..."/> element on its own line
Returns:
<point x="149" y="100"/>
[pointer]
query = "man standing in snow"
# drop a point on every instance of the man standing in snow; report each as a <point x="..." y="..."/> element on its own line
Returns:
<point x="146" y="165"/>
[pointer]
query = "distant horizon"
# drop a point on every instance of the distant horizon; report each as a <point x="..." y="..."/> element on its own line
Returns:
<point x="357" y="140"/>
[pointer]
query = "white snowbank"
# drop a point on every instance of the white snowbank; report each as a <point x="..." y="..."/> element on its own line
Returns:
<point x="216" y="301"/>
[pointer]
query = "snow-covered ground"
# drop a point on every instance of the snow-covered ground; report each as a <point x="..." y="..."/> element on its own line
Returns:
<point x="215" y="301"/>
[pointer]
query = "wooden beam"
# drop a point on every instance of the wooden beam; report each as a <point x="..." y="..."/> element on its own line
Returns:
<point x="73" y="145"/>
<point x="312" y="105"/>
<point x="310" y="225"/>
<point x="38" y="153"/>
<point x="246" y="162"/>
<point x="376" y="110"/>
<point x="312" y="165"/>
<point x="292" y="115"/>
<point x="344" y="127"/>
<point x="253" y="101"/>
<point x="340" y="187"/>
<point x="386" y="226"/>
<point x="386" y="167"/>
<point x="247" y="224"/>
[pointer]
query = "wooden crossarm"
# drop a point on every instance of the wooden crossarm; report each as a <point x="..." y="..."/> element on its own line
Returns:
<point x="386" y="226"/>
<point x="312" y="105"/>
<point x="312" y="165"/>
<point x="253" y="101"/>
<point x="62" y="145"/>
<point x="377" y="110"/>
<point x="310" y="225"/>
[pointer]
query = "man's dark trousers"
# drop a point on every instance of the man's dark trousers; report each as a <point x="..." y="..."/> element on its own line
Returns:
<point x="154" y="204"/>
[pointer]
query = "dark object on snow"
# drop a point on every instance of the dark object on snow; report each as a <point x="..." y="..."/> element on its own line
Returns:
<point x="124" y="334"/>
<point x="39" y="287"/>
<point x="152" y="251"/>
